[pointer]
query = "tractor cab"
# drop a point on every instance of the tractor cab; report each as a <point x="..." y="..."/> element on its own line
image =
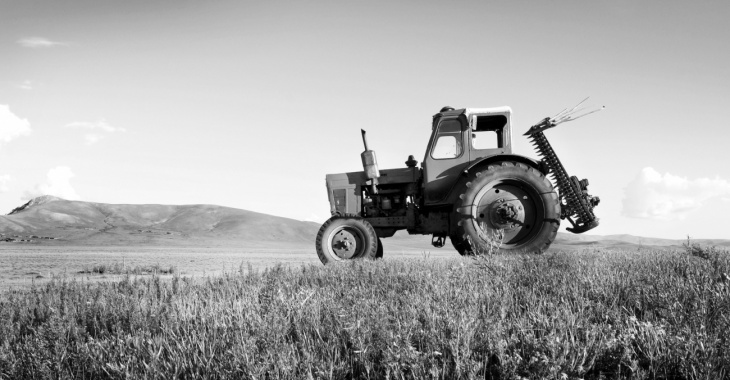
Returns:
<point x="460" y="138"/>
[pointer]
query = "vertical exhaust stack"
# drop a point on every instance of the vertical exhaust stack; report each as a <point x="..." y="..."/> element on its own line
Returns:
<point x="370" y="164"/>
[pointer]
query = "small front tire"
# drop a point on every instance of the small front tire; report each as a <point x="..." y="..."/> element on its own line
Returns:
<point x="346" y="238"/>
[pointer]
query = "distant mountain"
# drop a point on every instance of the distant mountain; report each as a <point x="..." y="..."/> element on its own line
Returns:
<point x="76" y="222"/>
<point x="100" y="223"/>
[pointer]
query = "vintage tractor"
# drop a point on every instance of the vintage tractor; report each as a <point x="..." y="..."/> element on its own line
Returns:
<point x="470" y="187"/>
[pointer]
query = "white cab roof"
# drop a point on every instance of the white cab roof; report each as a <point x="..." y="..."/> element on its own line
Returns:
<point x="488" y="111"/>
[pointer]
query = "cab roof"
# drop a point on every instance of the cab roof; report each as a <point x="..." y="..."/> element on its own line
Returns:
<point x="471" y="111"/>
<point x="488" y="111"/>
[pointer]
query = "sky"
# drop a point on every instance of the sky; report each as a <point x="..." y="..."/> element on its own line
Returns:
<point x="248" y="104"/>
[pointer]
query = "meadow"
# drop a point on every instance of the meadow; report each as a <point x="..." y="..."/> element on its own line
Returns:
<point x="21" y="266"/>
<point x="591" y="314"/>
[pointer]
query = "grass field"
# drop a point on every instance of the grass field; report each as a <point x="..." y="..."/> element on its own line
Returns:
<point x="21" y="266"/>
<point x="593" y="314"/>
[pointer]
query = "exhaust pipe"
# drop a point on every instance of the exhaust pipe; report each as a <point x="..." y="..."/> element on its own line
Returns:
<point x="370" y="164"/>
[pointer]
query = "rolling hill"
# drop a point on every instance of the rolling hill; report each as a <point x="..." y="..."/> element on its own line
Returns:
<point x="100" y="223"/>
<point x="77" y="222"/>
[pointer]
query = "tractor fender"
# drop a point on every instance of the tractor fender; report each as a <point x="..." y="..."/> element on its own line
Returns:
<point x="481" y="164"/>
<point x="486" y="161"/>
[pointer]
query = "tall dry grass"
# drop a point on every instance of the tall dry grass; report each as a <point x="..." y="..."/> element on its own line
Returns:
<point x="590" y="315"/>
<point x="122" y="268"/>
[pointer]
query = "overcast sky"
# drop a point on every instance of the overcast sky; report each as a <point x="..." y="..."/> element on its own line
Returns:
<point x="249" y="104"/>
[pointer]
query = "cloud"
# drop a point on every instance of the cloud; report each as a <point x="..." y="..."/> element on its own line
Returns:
<point x="39" y="42"/>
<point x="92" y="138"/>
<point x="11" y="126"/>
<point x="101" y="125"/>
<point x="26" y="85"/>
<point x="652" y="195"/>
<point x="4" y="179"/>
<point x="58" y="183"/>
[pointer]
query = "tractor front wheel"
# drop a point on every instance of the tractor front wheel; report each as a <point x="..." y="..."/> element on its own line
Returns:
<point x="509" y="207"/>
<point x="346" y="238"/>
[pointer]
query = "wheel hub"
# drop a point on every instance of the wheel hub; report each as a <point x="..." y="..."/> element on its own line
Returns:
<point x="506" y="214"/>
<point x="344" y="244"/>
<point x="506" y="210"/>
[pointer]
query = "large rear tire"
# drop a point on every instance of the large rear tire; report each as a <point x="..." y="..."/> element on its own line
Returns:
<point x="346" y="238"/>
<point x="460" y="244"/>
<point x="509" y="207"/>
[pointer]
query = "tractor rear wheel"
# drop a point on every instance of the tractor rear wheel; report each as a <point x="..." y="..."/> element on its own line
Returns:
<point x="509" y="207"/>
<point x="459" y="244"/>
<point x="346" y="238"/>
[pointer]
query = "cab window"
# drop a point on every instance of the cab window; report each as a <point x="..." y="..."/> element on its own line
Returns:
<point x="487" y="132"/>
<point x="448" y="141"/>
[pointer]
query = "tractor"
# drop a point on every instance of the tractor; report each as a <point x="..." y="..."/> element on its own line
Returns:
<point x="470" y="188"/>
